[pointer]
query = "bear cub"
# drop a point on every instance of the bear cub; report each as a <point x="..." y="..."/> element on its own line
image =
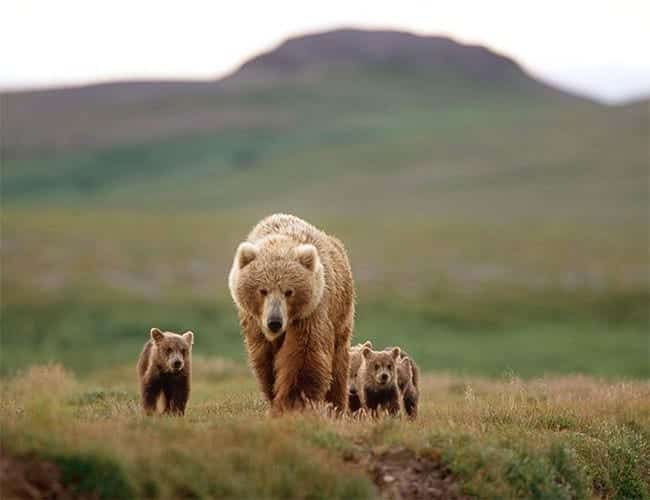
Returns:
<point x="355" y="386"/>
<point x="379" y="379"/>
<point x="165" y="370"/>
<point x="408" y="376"/>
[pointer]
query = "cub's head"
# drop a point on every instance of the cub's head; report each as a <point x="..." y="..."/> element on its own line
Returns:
<point x="380" y="368"/>
<point x="356" y="361"/>
<point x="172" y="352"/>
<point x="277" y="282"/>
<point x="404" y="372"/>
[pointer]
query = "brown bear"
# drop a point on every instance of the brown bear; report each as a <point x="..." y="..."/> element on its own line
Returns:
<point x="355" y="392"/>
<point x="408" y="376"/>
<point x="379" y="378"/>
<point x="165" y="371"/>
<point x="293" y="288"/>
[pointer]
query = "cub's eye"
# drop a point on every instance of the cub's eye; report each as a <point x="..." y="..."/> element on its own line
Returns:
<point x="390" y="367"/>
<point x="288" y="293"/>
<point x="376" y="366"/>
<point x="264" y="292"/>
<point x="168" y="351"/>
<point x="183" y="352"/>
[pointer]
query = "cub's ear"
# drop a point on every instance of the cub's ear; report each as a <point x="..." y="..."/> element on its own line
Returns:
<point x="307" y="255"/>
<point x="395" y="352"/>
<point x="156" y="335"/>
<point x="366" y="351"/>
<point x="246" y="253"/>
<point x="367" y="343"/>
<point x="189" y="337"/>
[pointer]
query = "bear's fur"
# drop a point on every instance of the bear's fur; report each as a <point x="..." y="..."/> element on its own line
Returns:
<point x="379" y="378"/>
<point x="293" y="288"/>
<point x="165" y="371"/>
<point x="408" y="375"/>
<point x="355" y="392"/>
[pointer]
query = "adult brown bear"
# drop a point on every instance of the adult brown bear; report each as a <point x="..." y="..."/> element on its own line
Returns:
<point x="293" y="287"/>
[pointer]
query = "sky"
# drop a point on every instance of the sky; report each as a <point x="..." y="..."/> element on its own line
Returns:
<point x="598" y="48"/>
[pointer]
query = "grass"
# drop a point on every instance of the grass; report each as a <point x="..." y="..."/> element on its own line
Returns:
<point x="572" y="437"/>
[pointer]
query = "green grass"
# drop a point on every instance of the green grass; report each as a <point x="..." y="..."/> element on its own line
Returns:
<point x="530" y="336"/>
<point x="546" y="438"/>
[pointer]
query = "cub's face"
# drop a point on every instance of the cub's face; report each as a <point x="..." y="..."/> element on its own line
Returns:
<point x="172" y="351"/>
<point x="380" y="368"/>
<point x="277" y="282"/>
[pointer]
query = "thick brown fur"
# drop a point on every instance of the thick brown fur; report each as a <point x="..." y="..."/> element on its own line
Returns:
<point x="290" y="274"/>
<point x="355" y="387"/>
<point x="379" y="378"/>
<point x="408" y="375"/>
<point x="165" y="371"/>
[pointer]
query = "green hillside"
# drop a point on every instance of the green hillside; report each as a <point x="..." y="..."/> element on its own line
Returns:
<point x="473" y="199"/>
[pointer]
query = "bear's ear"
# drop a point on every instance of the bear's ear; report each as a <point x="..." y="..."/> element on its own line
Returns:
<point x="395" y="352"/>
<point x="189" y="337"/>
<point x="246" y="253"/>
<point x="156" y="335"/>
<point x="307" y="255"/>
<point x="367" y="343"/>
<point x="366" y="351"/>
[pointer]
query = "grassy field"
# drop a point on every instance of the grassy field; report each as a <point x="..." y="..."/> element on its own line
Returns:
<point x="497" y="230"/>
<point x="552" y="438"/>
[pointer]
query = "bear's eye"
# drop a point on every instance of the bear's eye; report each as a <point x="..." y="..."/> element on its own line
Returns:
<point x="288" y="293"/>
<point x="376" y="366"/>
<point x="390" y="367"/>
<point x="183" y="351"/>
<point x="168" y="351"/>
<point x="264" y="292"/>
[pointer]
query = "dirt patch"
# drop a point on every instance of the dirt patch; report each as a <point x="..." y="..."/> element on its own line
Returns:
<point x="401" y="474"/>
<point x="30" y="478"/>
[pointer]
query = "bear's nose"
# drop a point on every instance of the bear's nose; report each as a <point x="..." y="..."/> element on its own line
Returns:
<point x="353" y="390"/>
<point x="384" y="377"/>
<point x="274" y="324"/>
<point x="178" y="364"/>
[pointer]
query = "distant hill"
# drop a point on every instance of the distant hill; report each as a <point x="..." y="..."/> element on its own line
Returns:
<point x="393" y="49"/>
<point x="346" y="121"/>
<point x="43" y="121"/>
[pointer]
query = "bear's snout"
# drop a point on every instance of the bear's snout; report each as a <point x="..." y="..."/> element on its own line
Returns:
<point x="274" y="324"/>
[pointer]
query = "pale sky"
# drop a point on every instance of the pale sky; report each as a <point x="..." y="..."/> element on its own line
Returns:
<point x="598" y="47"/>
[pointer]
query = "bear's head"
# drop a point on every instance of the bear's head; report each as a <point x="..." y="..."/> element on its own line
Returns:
<point x="171" y="351"/>
<point x="277" y="281"/>
<point x="356" y="362"/>
<point x="380" y="368"/>
<point x="404" y="372"/>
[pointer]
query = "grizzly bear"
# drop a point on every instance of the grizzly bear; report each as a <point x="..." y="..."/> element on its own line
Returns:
<point x="165" y="371"/>
<point x="292" y="285"/>
<point x="355" y="394"/>
<point x="379" y="379"/>
<point x="408" y="376"/>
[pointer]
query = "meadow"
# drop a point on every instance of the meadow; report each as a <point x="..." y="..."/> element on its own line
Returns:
<point x="497" y="230"/>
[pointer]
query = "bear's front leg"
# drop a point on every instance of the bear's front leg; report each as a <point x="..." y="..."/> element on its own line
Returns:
<point x="150" y="392"/>
<point x="338" y="392"/>
<point x="177" y="392"/>
<point x="303" y="365"/>
<point x="261" y="355"/>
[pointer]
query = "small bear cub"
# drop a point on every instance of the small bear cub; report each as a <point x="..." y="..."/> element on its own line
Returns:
<point x="408" y="376"/>
<point x="355" y="385"/>
<point x="165" y="371"/>
<point x="379" y="379"/>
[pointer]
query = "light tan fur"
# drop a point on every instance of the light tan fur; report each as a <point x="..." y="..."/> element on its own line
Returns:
<point x="355" y="386"/>
<point x="294" y="276"/>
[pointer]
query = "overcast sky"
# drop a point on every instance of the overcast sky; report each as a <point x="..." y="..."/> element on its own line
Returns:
<point x="598" y="47"/>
